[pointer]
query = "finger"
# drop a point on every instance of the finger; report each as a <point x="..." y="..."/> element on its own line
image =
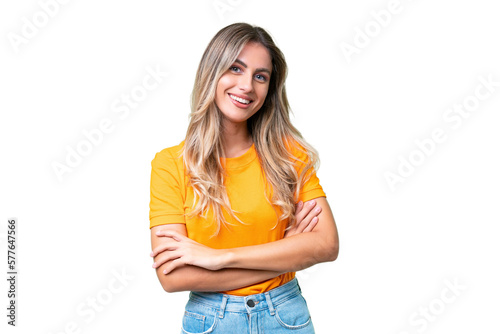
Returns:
<point x="305" y="224"/>
<point x="312" y="224"/>
<point x="172" y="265"/>
<point x="298" y="207"/>
<point x="165" y="257"/>
<point x="300" y="226"/>
<point x="307" y="207"/>
<point x="312" y="213"/>
<point x="165" y="246"/>
<point x="171" y="234"/>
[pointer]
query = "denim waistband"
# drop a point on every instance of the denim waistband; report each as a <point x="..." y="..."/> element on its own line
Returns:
<point x="248" y="304"/>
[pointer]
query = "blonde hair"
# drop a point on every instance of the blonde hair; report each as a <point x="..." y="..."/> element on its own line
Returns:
<point x="272" y="132"/>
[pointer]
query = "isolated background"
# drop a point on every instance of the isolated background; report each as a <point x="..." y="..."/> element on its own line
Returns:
<point x="399" y="246"/>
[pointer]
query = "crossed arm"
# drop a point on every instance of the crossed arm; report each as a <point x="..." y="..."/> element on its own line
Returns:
<point x="185" y="265"/>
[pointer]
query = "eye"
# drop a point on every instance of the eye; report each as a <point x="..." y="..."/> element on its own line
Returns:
<point x="235" y="69"/>
<point x="260" y="77"/>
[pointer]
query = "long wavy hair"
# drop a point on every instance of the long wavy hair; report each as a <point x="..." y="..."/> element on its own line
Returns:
<point x="272" y="132"/>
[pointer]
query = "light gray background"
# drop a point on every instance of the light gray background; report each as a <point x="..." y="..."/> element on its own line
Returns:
<point x="400" y="248"/>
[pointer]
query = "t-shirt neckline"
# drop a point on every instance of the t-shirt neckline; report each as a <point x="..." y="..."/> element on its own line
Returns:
<point x="241" y="160"/>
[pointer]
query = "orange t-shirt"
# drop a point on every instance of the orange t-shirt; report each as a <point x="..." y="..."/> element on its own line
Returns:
<point x="172" y="197"/>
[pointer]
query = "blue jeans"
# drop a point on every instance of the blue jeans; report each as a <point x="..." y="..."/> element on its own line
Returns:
<point x="280" y="310"/>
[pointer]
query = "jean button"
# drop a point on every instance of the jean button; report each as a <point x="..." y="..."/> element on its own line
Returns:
<point x="250" y="303"/>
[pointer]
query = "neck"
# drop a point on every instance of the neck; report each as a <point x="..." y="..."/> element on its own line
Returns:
<point x="236" y="139"/>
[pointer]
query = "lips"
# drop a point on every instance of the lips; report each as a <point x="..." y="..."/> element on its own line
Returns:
<point x="243" y="100"/>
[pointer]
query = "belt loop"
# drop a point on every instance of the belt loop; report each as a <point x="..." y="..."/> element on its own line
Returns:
<point x="269" y="303"/>
<point x="298" y="285"/>
<point x="223" y="306"/>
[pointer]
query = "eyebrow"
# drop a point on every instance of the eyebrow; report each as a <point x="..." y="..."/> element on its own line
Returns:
<point x="263" y="69"/>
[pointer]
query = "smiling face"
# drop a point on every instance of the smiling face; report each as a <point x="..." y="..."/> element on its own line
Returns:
<point x="242" y="89"/>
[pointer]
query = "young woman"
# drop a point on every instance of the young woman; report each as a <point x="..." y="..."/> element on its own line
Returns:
<point x="236" y="208"/>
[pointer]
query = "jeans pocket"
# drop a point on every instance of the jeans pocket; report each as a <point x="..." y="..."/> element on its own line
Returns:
<point x="196" y="322"/>
<point x="293" y="313"/>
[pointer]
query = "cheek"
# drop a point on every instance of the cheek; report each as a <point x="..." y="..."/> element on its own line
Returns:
<point x="224" y="83"/>
<point x="262" y="92"/>
<point x="219" y="93"/>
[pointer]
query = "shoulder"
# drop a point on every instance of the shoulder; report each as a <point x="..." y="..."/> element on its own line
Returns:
<point x="303" y="156"/>
<point x="169" y="156"/>
<point x="172" y="151"/>
<point x="297" y="151"/>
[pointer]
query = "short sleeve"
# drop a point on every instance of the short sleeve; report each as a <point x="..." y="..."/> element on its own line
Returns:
<point x="312" y="188"/>
<point x="166" y="204"/>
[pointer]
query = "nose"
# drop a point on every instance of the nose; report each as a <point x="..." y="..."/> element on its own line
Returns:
<point x="245" y="82"/>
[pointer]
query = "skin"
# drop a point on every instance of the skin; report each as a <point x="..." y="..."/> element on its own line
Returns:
<point x="185" y="265"/>
<point x="248" y="77"/>
<point x="192" y="278"/>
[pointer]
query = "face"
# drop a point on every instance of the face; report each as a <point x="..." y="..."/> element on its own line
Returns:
<point x="242" y="89"/>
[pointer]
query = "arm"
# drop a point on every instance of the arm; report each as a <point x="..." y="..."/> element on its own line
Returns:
<point x="294" y="253"/>
<point x="192" y="278"/>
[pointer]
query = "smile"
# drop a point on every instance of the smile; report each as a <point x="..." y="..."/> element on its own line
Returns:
<point x="239" y="99"/>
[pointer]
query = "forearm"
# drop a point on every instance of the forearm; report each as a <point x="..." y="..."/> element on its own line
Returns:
<point x="290" y="254"/>
<point x="192" y="278"/>
<point x="294" y="253"/>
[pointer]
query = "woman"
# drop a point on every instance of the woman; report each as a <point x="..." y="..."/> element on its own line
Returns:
<point x="236" y="208"/>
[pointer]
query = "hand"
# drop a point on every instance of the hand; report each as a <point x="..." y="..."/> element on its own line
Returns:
<point x="179" y="250"/>
<point x="306" y="215"/>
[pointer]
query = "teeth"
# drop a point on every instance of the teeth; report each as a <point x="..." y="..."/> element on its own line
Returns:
<point x="239" y="99"/>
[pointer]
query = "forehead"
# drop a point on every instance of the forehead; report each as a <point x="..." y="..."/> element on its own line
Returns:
<point x="255" y="55"/>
